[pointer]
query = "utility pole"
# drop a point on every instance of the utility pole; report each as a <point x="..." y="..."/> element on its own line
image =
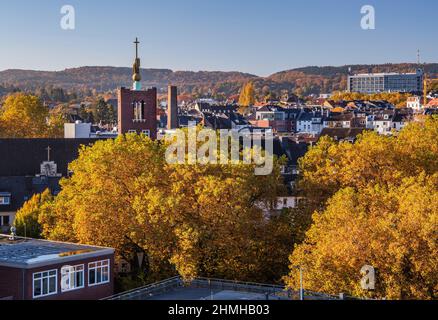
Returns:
<point x="300" y="268"/>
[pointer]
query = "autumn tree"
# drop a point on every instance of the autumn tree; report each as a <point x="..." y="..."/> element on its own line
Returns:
<point x="247" y="96"/>
<point x="195" y="220"/>
<point x="25" y="116"/>
<point x="27" y="218"/>
<point x="392" y="229"/>
<point x="374" y="203"/>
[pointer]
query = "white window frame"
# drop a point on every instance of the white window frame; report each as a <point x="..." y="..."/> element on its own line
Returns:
<point x="5" y="201"/>
<point x="132" y="131"/>
<point x="147" y="133"/>
<point x="73" y="276"/>
<point x="90" y="268"/>
<point x="48" y="283"/>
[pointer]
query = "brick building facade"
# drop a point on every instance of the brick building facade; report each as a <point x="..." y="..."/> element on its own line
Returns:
<point x="137" y="111"/>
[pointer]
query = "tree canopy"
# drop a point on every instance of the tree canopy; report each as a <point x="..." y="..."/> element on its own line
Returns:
<point x="247" y="95"/>
<point x="375" y="203"/>
<point x="25" y="116"/>
<point x="194" y="220"/>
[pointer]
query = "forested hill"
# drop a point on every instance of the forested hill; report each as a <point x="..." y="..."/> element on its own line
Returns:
<point x="109" y="78"/>
<point x="303" y="81"/>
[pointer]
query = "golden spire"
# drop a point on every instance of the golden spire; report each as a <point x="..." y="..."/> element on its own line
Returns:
<point x="136" y="77"/>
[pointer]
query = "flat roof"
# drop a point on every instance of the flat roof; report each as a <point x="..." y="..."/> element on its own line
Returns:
<point x="32" y="253"/>
<point x="384" y="74"/>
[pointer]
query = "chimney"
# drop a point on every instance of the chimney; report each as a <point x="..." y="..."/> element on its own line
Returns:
<point x="172" y="108"/>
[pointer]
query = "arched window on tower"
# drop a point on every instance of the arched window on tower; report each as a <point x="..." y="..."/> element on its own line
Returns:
<point x="142" y="110"/>
<point x="138" y="110"/>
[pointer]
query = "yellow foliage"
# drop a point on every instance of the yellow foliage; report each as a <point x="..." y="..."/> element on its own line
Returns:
<point x="200" y="220"/>
<point x="393" y="230"/>
<point x="247" y="96"/>
<point x="25" y="116"/>
<point x="397" y="99"/>
<point x="375" y="203"/>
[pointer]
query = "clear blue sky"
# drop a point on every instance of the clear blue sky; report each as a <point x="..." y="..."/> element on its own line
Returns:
<point x="255" y="36"/>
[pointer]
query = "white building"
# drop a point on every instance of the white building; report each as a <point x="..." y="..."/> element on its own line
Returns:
<point x="414" y="103"/>
<point x="77" y="130"/>
<point x="381" y="123"/>
<point x="386" y="82"/>
<point x="310" y="122"/>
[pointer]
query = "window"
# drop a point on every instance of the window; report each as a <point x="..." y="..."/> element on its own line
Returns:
<point x="4" y="221"/>
<point x="98" y="272"/>
<point x="45" y="283"/>
<point x="132" y="131"/>
<point x="72" y="278"/>
<point x="147" y="133"/>
<point x="5" y="200"/>
<point x="138" y="110"/>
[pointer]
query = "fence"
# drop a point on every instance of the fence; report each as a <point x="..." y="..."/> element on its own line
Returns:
<point x="271" y="291"/>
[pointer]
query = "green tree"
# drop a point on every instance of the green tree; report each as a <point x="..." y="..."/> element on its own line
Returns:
<point x="27" y="218"/>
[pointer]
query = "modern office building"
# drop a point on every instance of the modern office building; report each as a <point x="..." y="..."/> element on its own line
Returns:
<point x="386" y="82"/>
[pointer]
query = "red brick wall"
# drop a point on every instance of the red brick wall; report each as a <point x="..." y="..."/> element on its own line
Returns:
<point x="11" y="283"/>
<point x="125" y="111"/>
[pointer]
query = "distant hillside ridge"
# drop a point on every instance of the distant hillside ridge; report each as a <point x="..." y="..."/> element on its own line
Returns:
<point x="302" y="81"/>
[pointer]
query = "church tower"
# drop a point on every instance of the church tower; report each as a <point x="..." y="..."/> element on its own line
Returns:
<point x="137" y="108"/>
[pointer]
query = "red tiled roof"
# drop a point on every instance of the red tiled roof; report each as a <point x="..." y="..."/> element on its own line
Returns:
<point x="433" y="103"/>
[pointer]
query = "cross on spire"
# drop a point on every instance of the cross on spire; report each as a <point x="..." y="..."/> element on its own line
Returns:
<point x="136" y="42"/>
<point x="48" y="153"/>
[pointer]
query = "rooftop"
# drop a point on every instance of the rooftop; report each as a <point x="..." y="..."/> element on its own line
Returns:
<point x="214" y="289"/>
<point x="384" y="74"/>
<point x="32" y="253"/>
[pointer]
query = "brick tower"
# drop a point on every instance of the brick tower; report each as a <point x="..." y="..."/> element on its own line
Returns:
<point x="172" y="108"/>
<point x="137" y="108"/>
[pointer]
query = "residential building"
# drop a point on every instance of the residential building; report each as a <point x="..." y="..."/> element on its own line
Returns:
<point x="414" y="103"/>
<point x="401" y="119"/>
<point x="46" y="270"/>
<point x="215" y="109"/>
<point x="339" y="120"/>
<point x="433" y="103"/>
<point x="311" y="122"/>
<point x="381" y="122"/>
<point x="274" y="117"/>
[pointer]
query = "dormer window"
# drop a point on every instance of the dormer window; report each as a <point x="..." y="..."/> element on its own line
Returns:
<point x="5" y="198"/>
